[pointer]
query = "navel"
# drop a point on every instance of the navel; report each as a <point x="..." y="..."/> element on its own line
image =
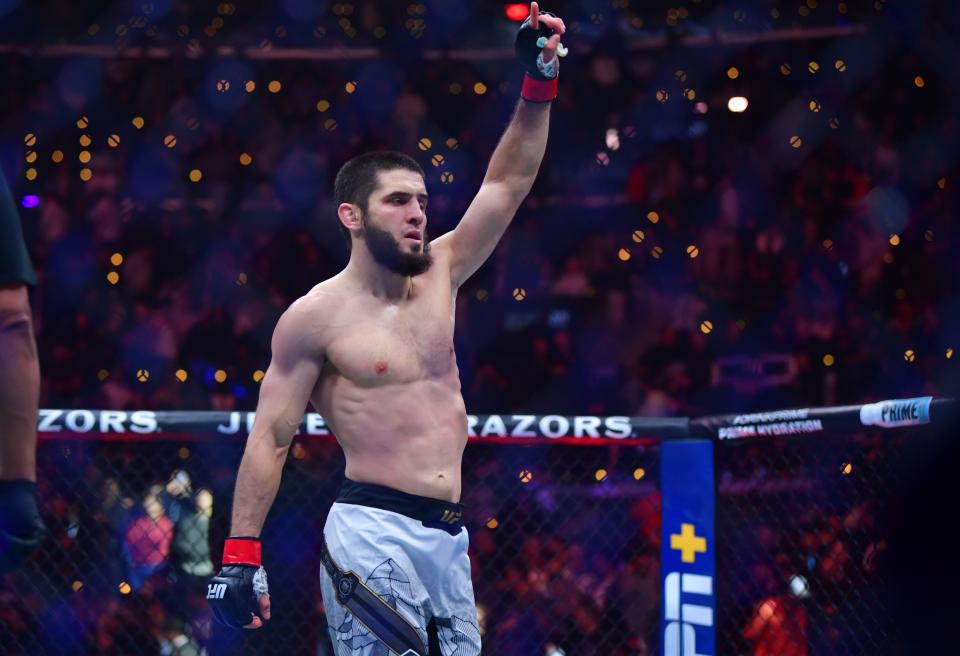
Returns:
<point x="380" y="367"/>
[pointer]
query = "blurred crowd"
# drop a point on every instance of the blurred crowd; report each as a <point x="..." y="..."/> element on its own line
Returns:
<point x="658" y="243"/>
<point x="674" y="259"/>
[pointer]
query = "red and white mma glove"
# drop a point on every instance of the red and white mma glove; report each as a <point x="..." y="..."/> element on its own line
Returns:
<point x="540" y="82"/>
<point x="234" y="593"/>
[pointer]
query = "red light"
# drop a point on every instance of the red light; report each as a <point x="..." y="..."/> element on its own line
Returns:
<point x="516" y="11"/>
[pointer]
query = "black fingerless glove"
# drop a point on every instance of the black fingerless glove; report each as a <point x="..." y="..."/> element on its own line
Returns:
<point x="21" y="529"/>
<point x="234" y="593"/>
<point x="537" y="87"/>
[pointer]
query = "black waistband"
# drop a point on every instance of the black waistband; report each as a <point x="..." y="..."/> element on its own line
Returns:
<point x="433" y="513"/>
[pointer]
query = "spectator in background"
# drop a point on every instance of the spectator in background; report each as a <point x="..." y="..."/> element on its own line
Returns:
<point x="146" y="544"/>
<point x="778" y="626"/>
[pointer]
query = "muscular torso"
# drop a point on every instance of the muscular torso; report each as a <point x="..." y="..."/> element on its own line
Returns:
<point x="390" y="388"/>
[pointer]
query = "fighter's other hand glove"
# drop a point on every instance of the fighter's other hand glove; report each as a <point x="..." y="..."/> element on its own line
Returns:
<point x="537" y="46"/>
<point x="238" y="594"/>
<point x="21" y="529"/>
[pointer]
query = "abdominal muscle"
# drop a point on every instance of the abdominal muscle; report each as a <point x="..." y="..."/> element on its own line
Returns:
<point x="409" y="436"/>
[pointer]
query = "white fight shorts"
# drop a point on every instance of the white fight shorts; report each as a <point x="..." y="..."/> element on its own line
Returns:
<point x="396" y="576"/>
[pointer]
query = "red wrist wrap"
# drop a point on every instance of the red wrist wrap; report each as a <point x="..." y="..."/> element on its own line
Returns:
<point x="242" y="551"/>
<point x="539" y="90"/>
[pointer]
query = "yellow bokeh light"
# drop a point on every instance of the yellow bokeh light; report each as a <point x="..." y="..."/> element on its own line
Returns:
<point x="519" y="293"/>
<point x="116" y="259"/>
<point x="183" y="452"/>
<point x="143" y="375"/>
<point x="942" y="183"/>
<point x="525" y="476"/>
<point x="85" y="140"/>
<point x="706" y="327"/>
<point x="949" y="353"/>
<point x="733" y="73"/>
<point x="124" y="588"/>
<point x="813" y="67"/>
<point x="181" y="375"/>
<point x="623" y="254"/>
<point x="479" y="88"/>
<point x="30" y="140"/>
<point x="828" y="360"/>
<point x="330" y="125"/>
<point x="600" y="474"/>
<point x="170" y="141"/>
<point x="847" y="468"/>
<point x="220" y="375"/>
<point x="350" y="86"/>
<point x="245" y="159"/>
<point x="31" y="156"/>
<point x="894" y="240"/>
<point x="796" y="141"/>
<point x="31" y="174"/>
<point x="785" y="69"/>
<point x="657" y="252"/>
<point x="492" y="522"/>
<point x="909" y="355"/>
<point x="86" y="174"/>
<point x="257" y="375"/>
<point x="113" y="140"/>
<point x="84" y="156"/>
<point x="653" y="217"/>
<point x="322" y="105"/>
<point x="56" y="156"/>
<point x="274" y="86"/>
<point x="250" y="86"/>
<point x="137" y="122"/>
<point x="196" y="175"/>
<point x="639" y="473"/>
<point x="638" y="236"/>
<point x="113" y="277"/>
<point x="83" y="122"/>
<point x="693" y="251"/>
<point x="77" y="585"/>
<point x="919" y="81"/>
<point x="840" y="65"/>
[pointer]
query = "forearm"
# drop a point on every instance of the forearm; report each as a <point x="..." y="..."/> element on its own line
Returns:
<point x="19" y="395"/>
<point x="517" y="157"/>
<point x="258" y="479"/>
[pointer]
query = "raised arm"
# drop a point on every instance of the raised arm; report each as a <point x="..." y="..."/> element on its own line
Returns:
<point x="284" y="393"/>
<point x="513" y="168"/>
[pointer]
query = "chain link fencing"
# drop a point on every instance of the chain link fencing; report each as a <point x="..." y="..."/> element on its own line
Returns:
<point x="565" y="544"/>
<point x="803" y="526"/>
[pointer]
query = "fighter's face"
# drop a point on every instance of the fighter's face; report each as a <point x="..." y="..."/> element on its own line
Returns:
<point x="394" y="226"/>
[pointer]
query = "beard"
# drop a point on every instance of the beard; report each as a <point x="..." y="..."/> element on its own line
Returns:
<point x="386" y="251"/>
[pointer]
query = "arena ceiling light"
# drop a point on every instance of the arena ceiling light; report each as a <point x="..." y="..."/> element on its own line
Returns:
<point x="737" y="104"/>
<point x="516" y="11"/>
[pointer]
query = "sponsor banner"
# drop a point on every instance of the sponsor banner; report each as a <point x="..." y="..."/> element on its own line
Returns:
<point x="499" y="428"/>
<point x="897" y="412"/>
<point x="687" y="553"/>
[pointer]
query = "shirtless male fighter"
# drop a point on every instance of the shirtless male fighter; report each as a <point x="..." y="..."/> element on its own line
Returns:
<point x="21" y="529"/>
<point x="372" y="349"/>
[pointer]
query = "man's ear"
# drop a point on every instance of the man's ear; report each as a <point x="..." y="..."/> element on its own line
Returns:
<point x="349" y="216"/>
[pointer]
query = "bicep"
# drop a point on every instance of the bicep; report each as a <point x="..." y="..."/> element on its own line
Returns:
<point x="286" y="387"/>
<point x="480" y="229"/>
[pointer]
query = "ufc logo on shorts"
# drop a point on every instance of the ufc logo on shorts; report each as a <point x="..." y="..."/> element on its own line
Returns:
<point x="683" y="617"/>
<point x="450" y="517"/>
<point x="216" y="590"/>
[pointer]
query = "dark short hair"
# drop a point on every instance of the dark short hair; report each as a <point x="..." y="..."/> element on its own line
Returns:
<point x="357" y="179"/>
